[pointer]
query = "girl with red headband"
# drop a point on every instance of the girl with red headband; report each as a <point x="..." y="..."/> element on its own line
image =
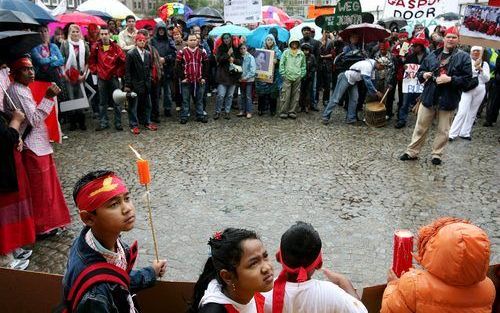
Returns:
<point x="234" y="275"/>
<point x="294" y="289"/>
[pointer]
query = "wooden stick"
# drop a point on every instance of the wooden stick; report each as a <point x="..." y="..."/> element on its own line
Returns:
<point x="148" y="203"/>
<point x="9" y="98"/>
<point x="385" y="95"/>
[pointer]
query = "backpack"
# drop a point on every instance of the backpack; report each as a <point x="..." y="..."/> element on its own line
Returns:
<point x="345" y="60"/>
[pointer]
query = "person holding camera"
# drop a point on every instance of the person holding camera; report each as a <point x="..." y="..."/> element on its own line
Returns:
<point x="446" y="73"/>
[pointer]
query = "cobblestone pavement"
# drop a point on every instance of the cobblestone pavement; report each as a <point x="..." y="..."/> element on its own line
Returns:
<point x="265" y="174"/>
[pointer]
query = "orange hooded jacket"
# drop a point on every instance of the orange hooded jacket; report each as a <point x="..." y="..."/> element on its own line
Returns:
<point x="455" y="257"/>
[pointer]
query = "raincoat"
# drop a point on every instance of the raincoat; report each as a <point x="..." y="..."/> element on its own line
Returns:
<point x="263" y="88"/>
<point x="455" y="256"/>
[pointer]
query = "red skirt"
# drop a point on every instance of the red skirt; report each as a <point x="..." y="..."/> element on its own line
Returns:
<point x="49" y="206"/>
<point x="17" y="224"/>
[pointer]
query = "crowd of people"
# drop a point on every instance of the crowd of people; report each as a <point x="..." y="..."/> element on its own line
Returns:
<point x="163" y="71"/>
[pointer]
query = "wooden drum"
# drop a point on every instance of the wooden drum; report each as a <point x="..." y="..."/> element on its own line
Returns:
<point x="375" y="114"/>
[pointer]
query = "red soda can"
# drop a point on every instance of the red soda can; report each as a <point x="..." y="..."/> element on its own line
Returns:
<point x="403" y="247"/>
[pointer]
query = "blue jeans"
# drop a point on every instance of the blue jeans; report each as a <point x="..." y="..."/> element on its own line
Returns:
<point x="340" y="88"/>
<point x="408" y="99"/>
<point x="314" y="100"/>
<point x="246" y="103"/>
<point x="142" y="99"/>
<point x="167" y="94"/>
<point x="195" y="90"/>
<point x="106" y="88"/>
<point x="224" y="96"/>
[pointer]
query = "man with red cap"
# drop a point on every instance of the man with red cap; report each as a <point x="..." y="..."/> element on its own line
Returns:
<point x="444" y="72"/>
<point x="49" y="207"/>
<point x="296" y="291"/>
<point x="99" y="275"/>
<point x="138" y="68"/>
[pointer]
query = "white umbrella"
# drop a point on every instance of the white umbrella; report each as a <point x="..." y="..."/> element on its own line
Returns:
<point x="296" y="32"/>
<point x="112" y="7"/>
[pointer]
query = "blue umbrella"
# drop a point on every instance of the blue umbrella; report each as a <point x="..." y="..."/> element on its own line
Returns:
<point x="28" y="7"/>
<point x="231" y="29"/>
<point x="201" y="21"/>
<point x="257" y="36"/>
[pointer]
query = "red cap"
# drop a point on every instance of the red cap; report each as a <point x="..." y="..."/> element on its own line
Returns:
<point x="419" y="39"/>
<point x="452" y="30"/>
<point x="402" y="34"/>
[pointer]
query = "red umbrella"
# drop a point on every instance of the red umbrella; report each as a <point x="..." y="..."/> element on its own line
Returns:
<point x="80" y="18"/>
<point x="292" y="22"/>
<point x="367" y="32"/>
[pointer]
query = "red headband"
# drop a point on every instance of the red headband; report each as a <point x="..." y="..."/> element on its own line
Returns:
<point x="97" y="192"/>
<point x="20" y="63"/>
<point x="403" y="35"/>
<point x="280" y="282"/>
<point x="140" y="37"/>
<point x="452" y="30"/>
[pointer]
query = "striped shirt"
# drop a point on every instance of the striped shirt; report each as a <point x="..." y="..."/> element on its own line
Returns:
<point x="38" y="138"/>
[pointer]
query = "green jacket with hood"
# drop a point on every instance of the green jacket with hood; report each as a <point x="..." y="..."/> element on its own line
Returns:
<point x="293" y="66"/>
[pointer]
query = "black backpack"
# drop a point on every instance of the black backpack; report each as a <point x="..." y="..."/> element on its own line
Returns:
<point x="345" y="60"/>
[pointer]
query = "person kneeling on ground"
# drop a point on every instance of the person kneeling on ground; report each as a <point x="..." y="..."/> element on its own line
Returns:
<point x="99" y="255"/>
<point x="295" y="291"/>
<point x="234" y="275"/>
<point x="455" y="257"/>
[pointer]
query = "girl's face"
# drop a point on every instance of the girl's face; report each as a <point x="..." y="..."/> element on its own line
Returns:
<point x="75" y="34"/>
<point x="269" y="42"/>
<point x="227" y="40"/>
<point x="255" y="272"/>
<point x="243" y="50"/>
<point x="475" y="54"/>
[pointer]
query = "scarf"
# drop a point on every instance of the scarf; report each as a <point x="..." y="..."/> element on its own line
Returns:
<point x="71" y="61"/>
<point x="280" y="282"/>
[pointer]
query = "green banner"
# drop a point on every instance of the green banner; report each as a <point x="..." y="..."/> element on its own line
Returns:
<point x="347" y="12"/>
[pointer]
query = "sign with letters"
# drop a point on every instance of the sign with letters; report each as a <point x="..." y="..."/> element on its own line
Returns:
<point x="347" y="12"/>
<point x="410" y="80"/>
<point x="243" y="11"/>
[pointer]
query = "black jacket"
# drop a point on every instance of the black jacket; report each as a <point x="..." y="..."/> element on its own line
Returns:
<point x="445" y="96"/>
<point x="137" y="72"/>
<point x="166" y="49"/>
<point x="223" y="76"/>
<point x="9" y="137"/>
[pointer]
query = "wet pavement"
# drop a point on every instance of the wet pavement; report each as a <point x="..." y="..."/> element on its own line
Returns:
<point x="265" y="173"/>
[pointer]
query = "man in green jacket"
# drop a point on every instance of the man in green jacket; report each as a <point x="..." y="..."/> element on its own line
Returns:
<point x="292" y="69"/>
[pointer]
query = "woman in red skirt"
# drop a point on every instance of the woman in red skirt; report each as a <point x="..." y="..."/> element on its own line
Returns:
<point x="49" y="206"/>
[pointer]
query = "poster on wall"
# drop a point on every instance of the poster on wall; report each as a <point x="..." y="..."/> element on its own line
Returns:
<point x="243" y="11"/>
<point x="419" y="11"/>
<point x="481" y="26"/>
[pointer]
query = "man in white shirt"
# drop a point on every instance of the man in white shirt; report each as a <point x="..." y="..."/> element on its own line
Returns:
<point x="346" y="82"/>
<point x="295" y="291"/>
<point x="126" y="38"/>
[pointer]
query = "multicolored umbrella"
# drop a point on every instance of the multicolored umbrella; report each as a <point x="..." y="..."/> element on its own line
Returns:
<point x="268" y="11"/>
<point x="80" y="18"/>
<point x="173" y="9"/>
<point x="30" y="8"/>
<point x="257" y="36"/>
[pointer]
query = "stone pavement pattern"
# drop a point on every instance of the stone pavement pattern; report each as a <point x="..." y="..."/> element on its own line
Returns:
<point x="265" y="174"/>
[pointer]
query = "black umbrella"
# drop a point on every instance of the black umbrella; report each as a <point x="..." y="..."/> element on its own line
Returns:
<point x="450" y="16"/>
<point x="15" y="20"/>
<point x="15" y="43"/>
<point x="207" y="12"/>
<point x="29" y="8"/>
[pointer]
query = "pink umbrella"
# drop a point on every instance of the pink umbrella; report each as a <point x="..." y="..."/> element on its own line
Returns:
<point x="80" y="18"/>
<point x="269" y="11"/>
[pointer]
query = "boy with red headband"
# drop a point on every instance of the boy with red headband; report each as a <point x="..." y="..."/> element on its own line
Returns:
<point x="295" y="290"/>
<point x="99" y="275"/>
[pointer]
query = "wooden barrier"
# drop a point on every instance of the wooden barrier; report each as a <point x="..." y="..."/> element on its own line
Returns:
<point x="35" y="292"/>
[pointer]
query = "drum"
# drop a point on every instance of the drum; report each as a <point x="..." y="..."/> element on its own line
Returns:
<point x="375" y="114"/>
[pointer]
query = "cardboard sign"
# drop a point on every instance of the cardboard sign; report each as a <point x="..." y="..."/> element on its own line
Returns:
<point x="410" y="80"/>
<point x="480" y="26"/>
<point x="419" y="11"/>
<point x="347" y="12"/>
<point x="77" y="103"/>
<point x="243" y="11"/>
<point x="264" y="61"/>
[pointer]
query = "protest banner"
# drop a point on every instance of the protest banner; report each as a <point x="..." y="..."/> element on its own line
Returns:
<point x="410" y="80"/>
<point x="419" y="11"/>
<point x="347" y="12"/>
<point x="243" y="11"/>
<point x="481" y="26"/>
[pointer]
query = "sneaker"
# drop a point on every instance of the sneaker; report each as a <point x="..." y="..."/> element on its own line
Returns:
<point x="22" y="254"/>
<point x="101" y="128"/>
<point x="177" y="108"/>
<point x="407" y="157"/>
<point x="241" y="114"/>
<point x="110" y="109"/>
<point x="151" y="127"/>
<point x="469" y="138"/>
<point x="19" y="264"/>
<point x="292" y="116"/>
<point x="64" y="136"/>
<point x="124" y="111"/>
<point x="451" y="139"/>
<point x="283" y="115"/>
<point x="135" y="130"/>
<point x="249" y="115"/>
<point x="436" y="161"/>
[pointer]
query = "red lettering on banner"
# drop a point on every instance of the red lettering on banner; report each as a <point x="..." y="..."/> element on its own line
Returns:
<point x="397" y="2"/>
<point x="411" y="4"/>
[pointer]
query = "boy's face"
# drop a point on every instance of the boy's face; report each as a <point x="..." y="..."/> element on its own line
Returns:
<point x="192" y="41"/>
<point x="294" y="45"/>
<point x="113" y="217"/>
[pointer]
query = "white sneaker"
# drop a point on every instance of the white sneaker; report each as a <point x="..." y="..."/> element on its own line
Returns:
<point x="19" y="264"/>
<point x="22" y="254"/>
<point x="124" y="111"/>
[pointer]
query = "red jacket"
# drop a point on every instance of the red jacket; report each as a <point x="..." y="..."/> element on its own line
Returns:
<point x="107" y="64"/>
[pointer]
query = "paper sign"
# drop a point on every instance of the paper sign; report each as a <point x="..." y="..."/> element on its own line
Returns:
<point x="75" y="104"/>
<point x="410" y="80"/>
<point x="243" y="11"/>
